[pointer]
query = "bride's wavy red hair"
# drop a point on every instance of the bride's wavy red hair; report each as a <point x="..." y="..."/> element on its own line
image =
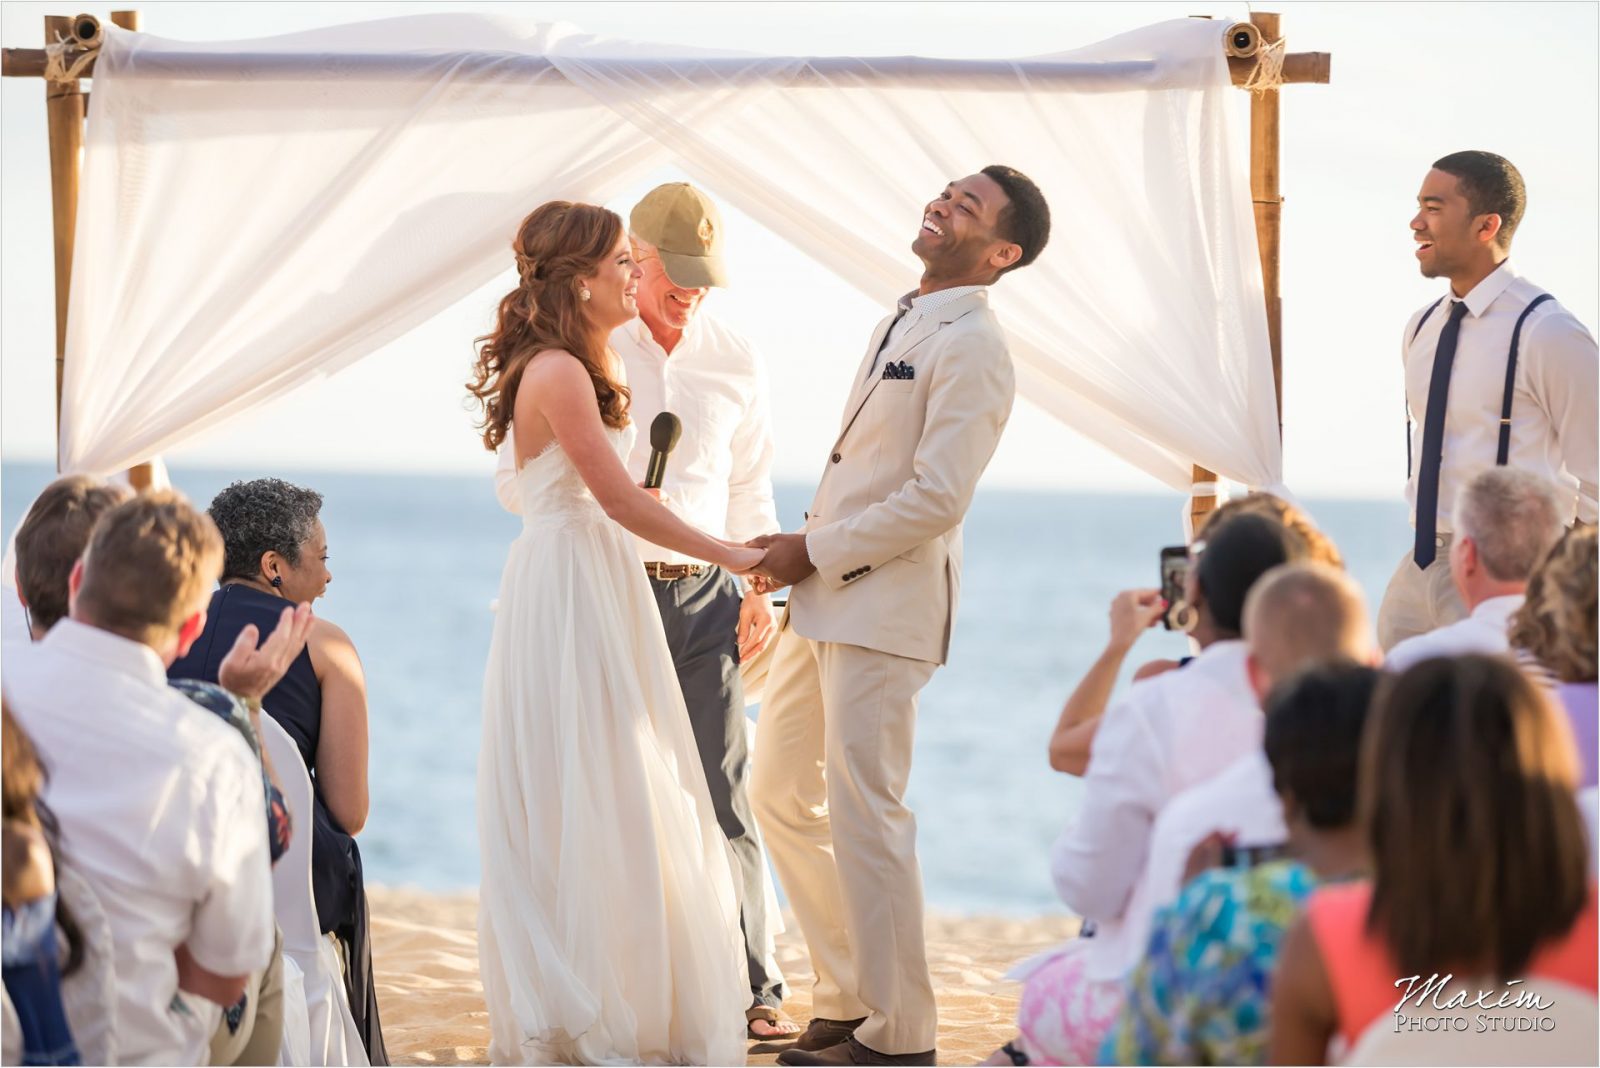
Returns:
<point x="559" y="243"/>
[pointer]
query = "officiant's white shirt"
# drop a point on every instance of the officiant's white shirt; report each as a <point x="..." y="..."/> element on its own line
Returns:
<point x="719" y="478"/>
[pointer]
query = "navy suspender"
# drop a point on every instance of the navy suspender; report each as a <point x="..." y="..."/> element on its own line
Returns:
<point x="1511" y="380"/>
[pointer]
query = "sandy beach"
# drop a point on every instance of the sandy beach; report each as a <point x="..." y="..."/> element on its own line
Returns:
<point x="426" y="958"/>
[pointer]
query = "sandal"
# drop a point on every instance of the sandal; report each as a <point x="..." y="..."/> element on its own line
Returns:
<point x="783" y="1026"/>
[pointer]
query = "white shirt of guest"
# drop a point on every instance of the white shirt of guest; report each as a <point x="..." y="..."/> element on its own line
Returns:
<point x="1238" y="800"/>
<point x="719" y="478"/>
<point x="159" y="803"/>
<point x="1162" y="736"/>
<point x="1483" y="631"/>
<point x="1554" y="429"/>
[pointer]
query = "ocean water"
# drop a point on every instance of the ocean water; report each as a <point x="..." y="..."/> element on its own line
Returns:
<point x="416" y="561"/>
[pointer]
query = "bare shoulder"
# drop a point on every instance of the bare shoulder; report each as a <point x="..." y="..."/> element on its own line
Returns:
<point x="328" y="639"/>
<point x="555" y="366"/>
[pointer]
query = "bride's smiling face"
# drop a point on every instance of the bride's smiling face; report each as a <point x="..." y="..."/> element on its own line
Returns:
<point x="613" y="288"/>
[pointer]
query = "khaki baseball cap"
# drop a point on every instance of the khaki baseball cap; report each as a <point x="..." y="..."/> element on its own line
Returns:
<point x="686" y="229"/>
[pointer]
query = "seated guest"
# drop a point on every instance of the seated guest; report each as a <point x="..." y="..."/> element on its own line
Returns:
<point x="1505" y="520"/>
<point x="277" y="554"/>
<point x="1135" y="611"/>
<point x="1201" y="993"/>
<point x="51" y="539"/>
<point x="1478" y="857"/>
<point x="1555" y="627"/>
<point x="1162" y="735"/>
<point x="33" y="910"/>
<point x="159" y="801"/>
<point x="1298" y="616"/>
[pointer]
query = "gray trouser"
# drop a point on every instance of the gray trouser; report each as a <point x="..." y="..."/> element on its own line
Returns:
<point x="701" y="617"/>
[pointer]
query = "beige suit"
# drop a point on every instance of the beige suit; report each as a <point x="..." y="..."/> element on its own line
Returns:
<point x="860" y="639"/>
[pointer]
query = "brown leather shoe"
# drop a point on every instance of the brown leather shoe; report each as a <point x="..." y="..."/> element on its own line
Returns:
<point x="851" y="1051"/>
<point x="821" y="1033"/>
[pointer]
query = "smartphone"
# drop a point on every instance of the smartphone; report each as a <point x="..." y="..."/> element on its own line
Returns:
<point x="1249" y="856"/>
<point x="1174" y="573"/>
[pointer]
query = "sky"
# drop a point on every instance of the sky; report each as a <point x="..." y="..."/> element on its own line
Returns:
<point x="1411" y="82"/>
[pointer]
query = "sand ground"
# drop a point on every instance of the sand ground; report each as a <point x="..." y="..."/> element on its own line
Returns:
<point x="425" y="955"/>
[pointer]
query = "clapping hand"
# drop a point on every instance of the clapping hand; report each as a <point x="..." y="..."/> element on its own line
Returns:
<point x="249" y="671"/>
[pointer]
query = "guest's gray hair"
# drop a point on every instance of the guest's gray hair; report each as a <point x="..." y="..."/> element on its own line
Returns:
<point x="265" y="514"/>
<point x="1513" y="516"/>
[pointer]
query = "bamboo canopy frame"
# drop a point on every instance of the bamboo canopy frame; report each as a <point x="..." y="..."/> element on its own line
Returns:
<point x="1257" y="59"/>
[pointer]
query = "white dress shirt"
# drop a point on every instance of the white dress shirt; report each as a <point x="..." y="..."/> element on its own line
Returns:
<point x="160" y="808"/>
<point x="1553" y="422"/>
<point x="719" y="478"/>
<point x="1483" y="631"/>
<point x="1162" y="736"/>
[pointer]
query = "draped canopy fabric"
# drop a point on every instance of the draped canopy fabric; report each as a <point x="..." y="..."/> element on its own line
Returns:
<point x="257" y="213"/>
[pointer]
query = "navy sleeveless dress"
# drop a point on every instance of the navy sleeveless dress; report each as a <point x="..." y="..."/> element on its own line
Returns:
<point x="296" y="704"/>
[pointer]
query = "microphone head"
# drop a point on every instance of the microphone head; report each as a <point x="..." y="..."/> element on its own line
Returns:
<point x="665" y="432"/>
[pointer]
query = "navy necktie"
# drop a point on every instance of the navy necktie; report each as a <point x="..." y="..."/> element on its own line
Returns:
<point x="899" y="313"/>
<point x="1433" y="438"/>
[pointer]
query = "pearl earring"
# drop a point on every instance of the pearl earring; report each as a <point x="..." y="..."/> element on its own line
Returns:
<point x="584" y="294"/>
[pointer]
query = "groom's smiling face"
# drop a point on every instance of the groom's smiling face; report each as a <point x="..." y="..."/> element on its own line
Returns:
<point x="957" y="234"/>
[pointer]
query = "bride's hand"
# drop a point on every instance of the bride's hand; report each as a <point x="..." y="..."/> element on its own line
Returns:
<point x="739" y="559"/>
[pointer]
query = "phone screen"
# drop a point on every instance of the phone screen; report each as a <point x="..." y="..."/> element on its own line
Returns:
<point x="1174" y="572"/>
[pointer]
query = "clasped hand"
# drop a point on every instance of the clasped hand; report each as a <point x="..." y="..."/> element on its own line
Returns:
<point x="784" y="562"/>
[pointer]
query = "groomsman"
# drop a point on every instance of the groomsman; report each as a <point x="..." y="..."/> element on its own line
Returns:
<point x="1497" y="372"/>
<point x="876" y="575"/>
<point x="683" y="360"/>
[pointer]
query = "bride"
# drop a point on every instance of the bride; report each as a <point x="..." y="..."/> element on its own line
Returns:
<point x="608" y="923"/>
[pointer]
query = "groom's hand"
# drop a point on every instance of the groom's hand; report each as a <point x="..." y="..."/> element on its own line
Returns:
<point x="786" y="561"/>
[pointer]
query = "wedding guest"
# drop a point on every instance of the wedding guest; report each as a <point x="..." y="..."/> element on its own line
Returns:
<point x="33" y="909"/>
<point x="1556" y="628"/>
<point x="51" y="539"/>
<point x="1135" y="611"/>
<point x="1299" y="616"/>
<point x="679" y="356"/>
<point x="1479" y="859"/>
<point x="1161" y="736"/>
<point x="276" y="553"/>
<point x="1201" y="995"/>
<point x="1496" y="371"/>
<point x="160" y="801"/>
<point x="1505" y="520"/>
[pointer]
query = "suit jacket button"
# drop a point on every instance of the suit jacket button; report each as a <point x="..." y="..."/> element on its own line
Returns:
<point x="807" y="515"/>
<point x="835" y="458"/>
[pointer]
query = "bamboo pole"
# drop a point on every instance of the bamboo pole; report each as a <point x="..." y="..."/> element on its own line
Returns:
<point x="64" y="111"/>
<point x="1268" y="203"/>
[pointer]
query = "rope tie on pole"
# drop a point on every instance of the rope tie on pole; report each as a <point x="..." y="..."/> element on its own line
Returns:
<point x="63" y="62"/>
<point x="1268" y="74"/>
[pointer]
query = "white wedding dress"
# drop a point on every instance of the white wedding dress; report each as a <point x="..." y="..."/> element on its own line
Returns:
<point x="608" y="921"/>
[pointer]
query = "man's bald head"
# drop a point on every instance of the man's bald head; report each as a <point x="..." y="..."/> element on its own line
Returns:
<point x="1300" y="615"/>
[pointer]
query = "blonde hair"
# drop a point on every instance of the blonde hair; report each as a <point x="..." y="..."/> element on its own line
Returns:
<point x="150" y="564"/>
<point x="1319" y="547"/>
<point x="1556" y="623"/>
<point x="1303" y="614"/>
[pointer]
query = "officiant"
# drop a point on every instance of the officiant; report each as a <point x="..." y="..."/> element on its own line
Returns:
<point x="683" y="360"/>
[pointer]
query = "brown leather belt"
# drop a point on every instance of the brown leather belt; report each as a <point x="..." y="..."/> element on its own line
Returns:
<point x="667" y="572"/>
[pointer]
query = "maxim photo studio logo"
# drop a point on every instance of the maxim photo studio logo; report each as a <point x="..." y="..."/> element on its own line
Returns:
<point x="1432" y="1004"/>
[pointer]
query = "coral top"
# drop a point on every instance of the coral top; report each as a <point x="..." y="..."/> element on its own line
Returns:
<point x="1361" y="971"/>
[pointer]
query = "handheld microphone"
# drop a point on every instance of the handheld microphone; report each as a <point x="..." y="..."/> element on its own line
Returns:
<point x="664" y="434"/>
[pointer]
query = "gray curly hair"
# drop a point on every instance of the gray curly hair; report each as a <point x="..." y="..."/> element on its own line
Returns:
<point x="267" y="513"/>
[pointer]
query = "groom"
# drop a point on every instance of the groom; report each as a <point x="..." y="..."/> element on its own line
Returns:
<point x="876" y="575"/>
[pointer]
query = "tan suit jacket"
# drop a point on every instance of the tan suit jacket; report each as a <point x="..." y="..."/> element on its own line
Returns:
<point x="884" y="529"/>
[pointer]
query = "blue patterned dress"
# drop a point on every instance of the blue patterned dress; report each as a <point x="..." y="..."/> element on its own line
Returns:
<point x="1202" y="993"/>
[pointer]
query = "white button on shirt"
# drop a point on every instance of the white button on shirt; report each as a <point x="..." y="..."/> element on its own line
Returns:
<point x="1553" y="413"/>
<point x="719" y="478"/>
<point x="1483" y="631"/>
<point x="159" y="802"/>
<point x="1161" y="736"/>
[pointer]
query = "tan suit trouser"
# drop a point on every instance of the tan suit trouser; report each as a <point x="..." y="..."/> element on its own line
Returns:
<point x="1417" y="601"/>
<point x="828" y="781"/>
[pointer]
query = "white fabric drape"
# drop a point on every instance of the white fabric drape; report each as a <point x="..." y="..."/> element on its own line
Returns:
<point x="254" y="214"/>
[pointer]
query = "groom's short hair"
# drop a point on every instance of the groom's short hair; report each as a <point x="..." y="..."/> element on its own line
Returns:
<point x="1025" y="220"/>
